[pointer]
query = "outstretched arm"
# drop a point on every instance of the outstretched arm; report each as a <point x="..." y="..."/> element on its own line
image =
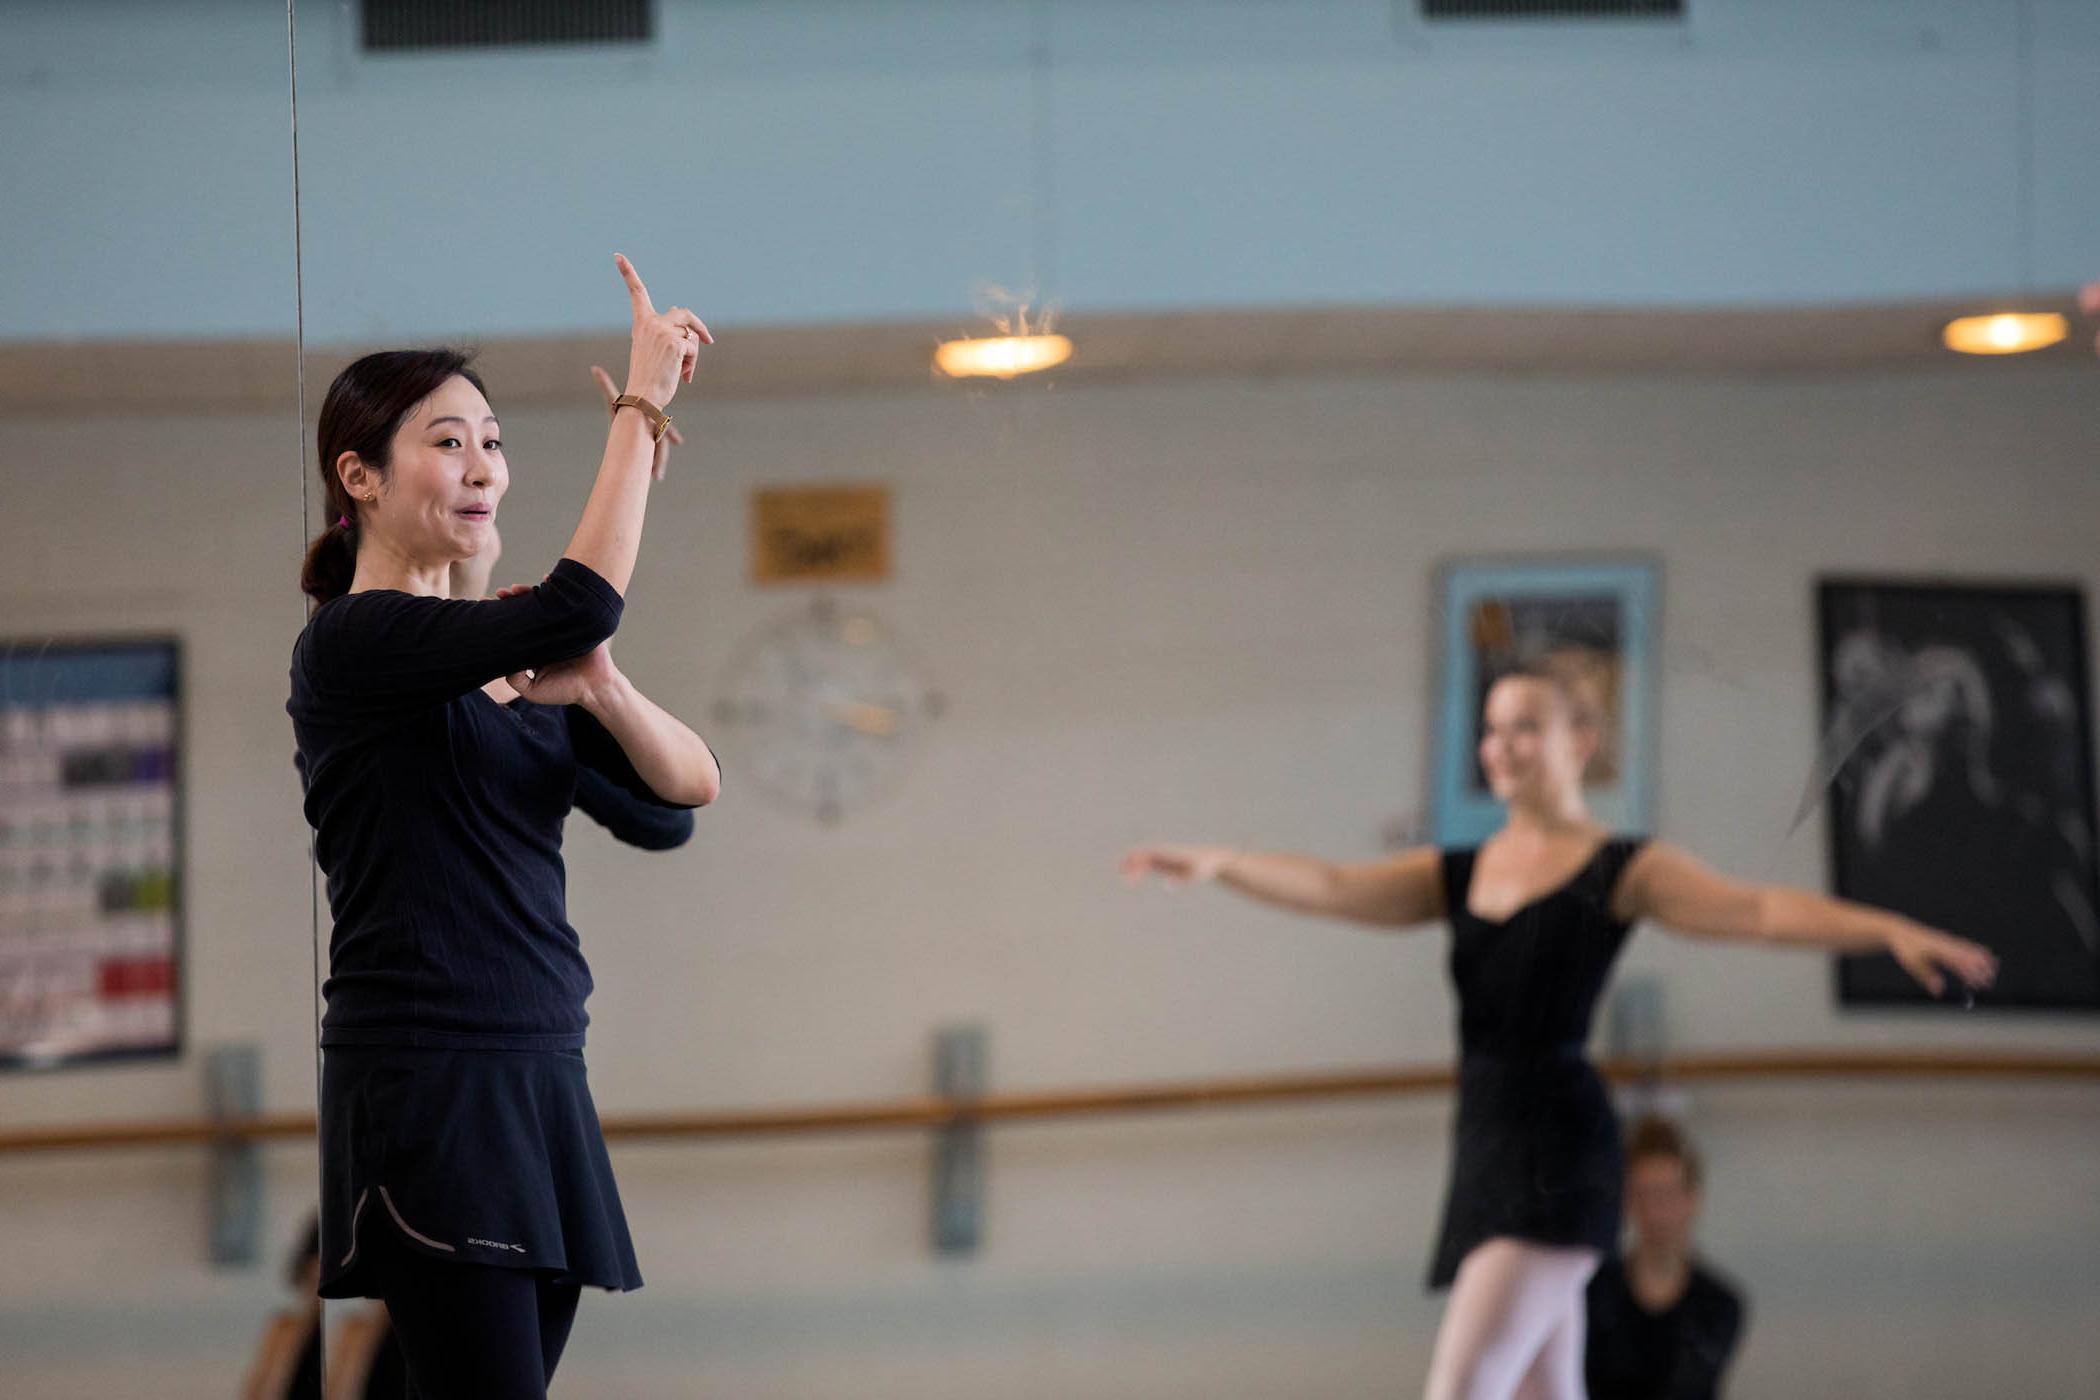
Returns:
<point x="1395" y="893"/>
<point x="1670" y="886"/>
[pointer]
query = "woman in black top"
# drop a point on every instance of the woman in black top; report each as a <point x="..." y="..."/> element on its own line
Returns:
<point x="1538" y="915"/>
<point x="464" y="1179"/>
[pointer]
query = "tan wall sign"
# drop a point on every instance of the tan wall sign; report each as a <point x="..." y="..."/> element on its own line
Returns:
<point x="820" y="534"/>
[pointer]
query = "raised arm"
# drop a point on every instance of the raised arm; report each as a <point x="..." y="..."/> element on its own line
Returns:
<point x="1670" y="886"/>
<point x="1400" y="892"/>
<point x="666" y="347"/>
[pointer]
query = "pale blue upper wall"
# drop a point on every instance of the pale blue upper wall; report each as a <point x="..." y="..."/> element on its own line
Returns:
<point x="145" y="169"/>
<point x="813" y="160"/>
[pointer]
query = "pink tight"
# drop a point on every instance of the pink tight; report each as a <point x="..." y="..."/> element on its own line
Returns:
<point x="1514" y="1327"/>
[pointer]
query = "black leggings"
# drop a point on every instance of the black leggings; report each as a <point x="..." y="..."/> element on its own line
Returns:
<point x="470" y="1331"/>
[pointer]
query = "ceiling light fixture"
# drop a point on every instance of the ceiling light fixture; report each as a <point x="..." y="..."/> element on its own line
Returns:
<point x="2007" y="333"/>
<point x="1002" y="356"/>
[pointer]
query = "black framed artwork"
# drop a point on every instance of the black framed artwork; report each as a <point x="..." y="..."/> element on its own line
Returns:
<point x="1958" y="738"/>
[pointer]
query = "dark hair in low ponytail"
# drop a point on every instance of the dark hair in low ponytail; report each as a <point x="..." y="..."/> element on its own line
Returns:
<point x="331" y="563"/>
<point x="363" y="411"/>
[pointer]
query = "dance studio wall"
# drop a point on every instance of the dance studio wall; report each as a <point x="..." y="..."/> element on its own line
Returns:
<point x="851" y="160"/>
<point x="1193" y="609"/>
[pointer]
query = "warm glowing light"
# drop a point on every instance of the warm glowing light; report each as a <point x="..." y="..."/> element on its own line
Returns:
<point x="2005" y="334"/>
<point x="1002" y="357"/>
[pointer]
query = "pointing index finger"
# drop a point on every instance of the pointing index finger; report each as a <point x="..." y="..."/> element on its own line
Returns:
<point x="636" y="292"/>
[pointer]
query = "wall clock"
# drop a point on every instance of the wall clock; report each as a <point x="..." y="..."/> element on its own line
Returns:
<point x="828" y="709"/>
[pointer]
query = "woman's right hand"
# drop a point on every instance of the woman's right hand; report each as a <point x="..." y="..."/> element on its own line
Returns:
<point x="666" y="344"/>
<point x="1178" y="865"/>
<point x="1927" y="954"/>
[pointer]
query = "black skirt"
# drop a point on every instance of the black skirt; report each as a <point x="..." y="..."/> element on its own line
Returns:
<point x="478" y="1156"/>
<point x="1535" y="1157"/>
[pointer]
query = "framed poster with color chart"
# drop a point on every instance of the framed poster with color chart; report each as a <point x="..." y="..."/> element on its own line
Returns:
<point x="91" y="933"/>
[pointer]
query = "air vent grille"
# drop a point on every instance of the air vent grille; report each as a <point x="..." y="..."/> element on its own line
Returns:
<point x="409" y="26"/>
<point x="1552" y="9"/>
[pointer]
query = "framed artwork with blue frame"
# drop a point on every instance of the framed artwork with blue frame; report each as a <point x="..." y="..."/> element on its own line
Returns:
<point x="1593" y="619"/>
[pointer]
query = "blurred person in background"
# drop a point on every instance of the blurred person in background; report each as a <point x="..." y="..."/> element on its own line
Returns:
<point x="1663" y="1325"/>
<point x="364" y="1363"/>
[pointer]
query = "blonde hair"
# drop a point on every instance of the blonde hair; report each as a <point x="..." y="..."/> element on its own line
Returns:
<point x="1581" y="678"/>
<point x="1585" y="681"/>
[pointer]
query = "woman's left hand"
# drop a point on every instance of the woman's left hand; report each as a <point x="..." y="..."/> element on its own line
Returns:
<point x="1925" y="953"/>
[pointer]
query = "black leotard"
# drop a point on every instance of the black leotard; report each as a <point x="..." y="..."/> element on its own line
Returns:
<point x="1536" y="1153"/>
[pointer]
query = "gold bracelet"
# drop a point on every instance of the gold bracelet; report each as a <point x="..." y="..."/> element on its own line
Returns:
<point x="659" y="421"/>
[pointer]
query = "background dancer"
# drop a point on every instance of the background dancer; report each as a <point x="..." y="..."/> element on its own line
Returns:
<point x="1538" y="914"/>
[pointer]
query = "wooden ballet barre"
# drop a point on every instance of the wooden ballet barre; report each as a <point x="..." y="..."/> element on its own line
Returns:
<point x="1021" y="1106"/>
<point x="182" y="1132"/>
<point x="1033" y="1104"/>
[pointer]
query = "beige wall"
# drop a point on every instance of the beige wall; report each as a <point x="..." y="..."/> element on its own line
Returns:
<point x="1192" y="609"/>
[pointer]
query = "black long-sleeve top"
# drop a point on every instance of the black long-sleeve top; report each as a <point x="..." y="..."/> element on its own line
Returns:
<point x="647" y="822"/>
<point x="1680" y="1353"/>
<point x="438" y="812"/>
